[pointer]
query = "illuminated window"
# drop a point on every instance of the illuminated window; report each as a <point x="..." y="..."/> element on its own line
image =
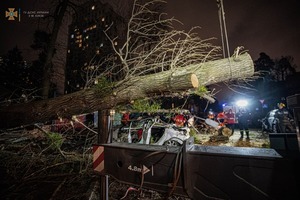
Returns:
<point x="98" y="52"/>
<point x="115" y="43"/>
<point x="103" y="19"/>
<point x="69" y="50"/>
<point x="72" y="36"/>
<point x="101" y="45"/>
<point x="93" y="7"/>
<point x="87" y="37"/>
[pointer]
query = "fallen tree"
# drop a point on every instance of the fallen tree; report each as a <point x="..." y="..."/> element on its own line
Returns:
<point x="90" y="100"/>
<point x="149" y="58"/>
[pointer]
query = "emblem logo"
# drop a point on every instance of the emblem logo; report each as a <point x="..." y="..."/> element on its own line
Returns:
<point x="11" y="14"/>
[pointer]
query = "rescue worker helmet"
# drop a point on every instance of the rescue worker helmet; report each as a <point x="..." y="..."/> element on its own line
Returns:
<point x="282" y="105"/>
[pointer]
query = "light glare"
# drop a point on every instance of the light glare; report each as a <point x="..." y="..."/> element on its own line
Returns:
<point x="242" y="103"/>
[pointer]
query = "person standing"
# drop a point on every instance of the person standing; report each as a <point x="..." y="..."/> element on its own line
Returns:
<point x="125" y="119"/>
<point x="230" y="116"/>
<point x="243" y="122"/>
<point x="284" y="119"/>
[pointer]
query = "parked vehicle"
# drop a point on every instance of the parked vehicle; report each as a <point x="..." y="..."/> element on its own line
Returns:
<point x="269" y="124"/>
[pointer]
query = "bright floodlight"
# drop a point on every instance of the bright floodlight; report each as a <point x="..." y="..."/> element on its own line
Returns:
<point x="242" y="103"/>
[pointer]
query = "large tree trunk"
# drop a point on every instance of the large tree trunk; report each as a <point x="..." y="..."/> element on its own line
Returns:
<point x="58" y="18"/>
<point x="89" y="100"/>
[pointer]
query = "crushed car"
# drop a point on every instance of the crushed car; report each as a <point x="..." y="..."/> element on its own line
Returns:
<point x="154" y="131"/>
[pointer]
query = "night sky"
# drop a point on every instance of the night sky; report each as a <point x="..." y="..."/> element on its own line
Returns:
<point x="20" y="33"/>
<point x="270" y="26"/>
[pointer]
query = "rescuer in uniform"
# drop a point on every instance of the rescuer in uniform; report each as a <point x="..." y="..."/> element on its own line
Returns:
<point x="211" y="115"/>
<point x="243" y="122"/>
<point x="230" y="117"/>
<point x="222" y="119"/>
<point x="283" y="117"/>
<point x="125" y="119"/>
<point x="223" y="122"/>
<point x="179" y="120"/>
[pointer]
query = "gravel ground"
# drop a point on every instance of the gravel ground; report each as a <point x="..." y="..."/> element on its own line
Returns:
<point x="257" y="139"/>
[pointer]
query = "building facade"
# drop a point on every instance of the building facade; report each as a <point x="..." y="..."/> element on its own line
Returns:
<point x="88" y="45"/>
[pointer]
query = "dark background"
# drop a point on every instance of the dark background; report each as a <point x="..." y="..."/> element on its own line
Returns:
<point x="270" y="26"/>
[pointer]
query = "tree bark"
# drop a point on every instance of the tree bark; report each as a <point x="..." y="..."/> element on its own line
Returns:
<point x="58" y="18"/>
<point x="86" y="101"/>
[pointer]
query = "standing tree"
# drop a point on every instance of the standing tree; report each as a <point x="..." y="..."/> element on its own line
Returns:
<point x="272" y="82"/>
<point x="175" y="61"/>
<point x="40" y="43"/>
<point x="264" y="64"/>
<point x="283" y="67"/>
<point x="50" y="49"/>
<point x="16" y="79"/>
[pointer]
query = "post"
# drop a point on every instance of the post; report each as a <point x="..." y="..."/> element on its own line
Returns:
<point x="103" y="134"/>
<point x="103" y="129"/>
<point x="111" y="125"/>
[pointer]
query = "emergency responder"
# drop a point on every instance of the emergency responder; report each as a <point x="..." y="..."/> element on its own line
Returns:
<point x="230" y="118"/>
<point x="125" y="119"/>
<point x="243" y="121"/>
<point x="211" y="115"/>
<point x="283" y="117"/>
<point x="179" y="120"/>
<point x="222" y="119"/>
